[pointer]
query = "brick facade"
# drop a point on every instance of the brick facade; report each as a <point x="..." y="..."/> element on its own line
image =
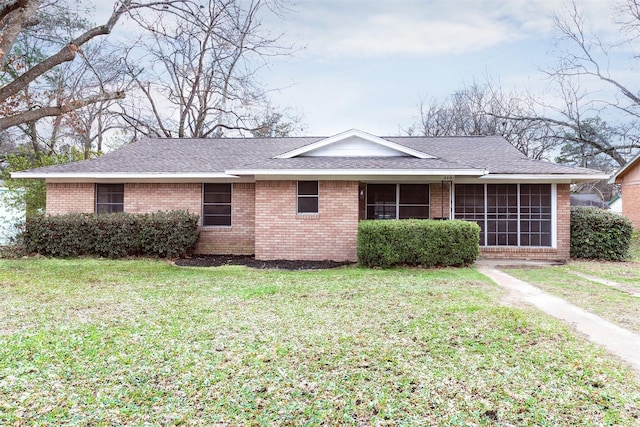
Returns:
<point x="239" y="239"/>
<point x="630" y="183"/>
<point x="439" y="200"/>
<point x="631" y="203"/>
<point x="64" y="198"/>
<point x="331" y="234"/>
<point x="152" y="197"/>
<point x="265" y="221"/>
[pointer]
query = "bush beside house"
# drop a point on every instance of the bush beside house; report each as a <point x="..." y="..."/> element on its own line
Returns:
<point x="161" y="234"/>
<point x="599" y="234"/>
<point x="425" y="243"/>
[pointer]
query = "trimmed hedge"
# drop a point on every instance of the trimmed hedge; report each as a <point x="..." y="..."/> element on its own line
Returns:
<point x="599" y="234"/>
<point x="425" y="243"/>
<point x="161" y="234"/>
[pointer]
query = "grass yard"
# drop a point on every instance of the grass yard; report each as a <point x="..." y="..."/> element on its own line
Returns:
<point x="610" y="303"/>
<point x="98" y="342"/>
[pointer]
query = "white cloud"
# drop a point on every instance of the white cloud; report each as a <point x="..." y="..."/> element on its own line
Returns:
<point x="358" y="28"/>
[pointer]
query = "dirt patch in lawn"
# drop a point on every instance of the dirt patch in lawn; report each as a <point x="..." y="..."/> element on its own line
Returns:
<point x="250" y="261"/>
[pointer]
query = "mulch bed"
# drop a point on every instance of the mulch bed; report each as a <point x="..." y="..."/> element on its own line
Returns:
<point x="250" y="261"/>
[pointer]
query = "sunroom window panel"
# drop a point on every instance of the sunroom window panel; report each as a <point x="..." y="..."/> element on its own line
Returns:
<point x="535" y="215"/>
<point x="516" y="214"/>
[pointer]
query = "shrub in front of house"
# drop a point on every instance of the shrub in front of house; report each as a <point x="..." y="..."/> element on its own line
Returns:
<point x="599" y="234"/>
<point x="160" y="234"/>
<point x="425" y="243"/>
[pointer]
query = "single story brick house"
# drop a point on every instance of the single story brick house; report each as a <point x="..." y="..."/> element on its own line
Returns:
<point x="301" y="198"/>
<point x="629" y="179"/>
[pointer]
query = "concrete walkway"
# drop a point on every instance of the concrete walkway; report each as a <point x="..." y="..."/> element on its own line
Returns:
<point x="619" y="341"/>
<point x="619" y="286"/>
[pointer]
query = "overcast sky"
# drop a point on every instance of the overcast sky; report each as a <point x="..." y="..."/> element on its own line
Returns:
<point x="366" y="63"/>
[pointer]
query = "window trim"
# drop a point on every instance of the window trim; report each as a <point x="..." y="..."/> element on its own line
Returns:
<point x="97" y="203"/>
<point x="397" y="204"/>
<point x="307" y="196"/>
<point x="230" y="204"/>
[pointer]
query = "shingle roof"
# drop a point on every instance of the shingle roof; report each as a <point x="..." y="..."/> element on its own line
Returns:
<point x="171" y="156"/>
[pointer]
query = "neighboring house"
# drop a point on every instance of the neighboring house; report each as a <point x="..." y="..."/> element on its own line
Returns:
<point x="585" y="199"/>
<point x="9" y="217"/>
<point x="629" y="179"/>
<point x="302" y="198"/>
<point x="615" y="204"/>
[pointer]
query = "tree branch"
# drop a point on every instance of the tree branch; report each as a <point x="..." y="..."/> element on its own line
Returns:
<point x="50" y="111"/>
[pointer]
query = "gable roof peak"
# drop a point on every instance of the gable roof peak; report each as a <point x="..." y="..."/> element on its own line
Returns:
<point x="354" y="143"/>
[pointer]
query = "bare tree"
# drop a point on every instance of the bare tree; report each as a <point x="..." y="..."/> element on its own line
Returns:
<point x="202" y="78"/>
<point x="484" y="109"/>
<point x="589" y="93"/>
<point x="18" y="16"/>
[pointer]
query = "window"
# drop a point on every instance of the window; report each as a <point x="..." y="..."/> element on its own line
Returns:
<point x="508" y="214"/>
<point x="535" y="215"/>
<point x="397" y="201"/>
<point x="308" y="197"/>
<point x="109" y="198"/>
<point x="502" y="215"/>
<point x="469" y="205"/>
<point x="216" y="205"/>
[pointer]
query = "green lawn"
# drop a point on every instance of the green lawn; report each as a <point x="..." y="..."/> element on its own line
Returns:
<point x="97" y="342"/>
<point x="616" y="305"/>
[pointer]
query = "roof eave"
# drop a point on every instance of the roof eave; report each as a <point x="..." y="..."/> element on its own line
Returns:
<point x="121" y="176"/>
<point x="557" y="178"/>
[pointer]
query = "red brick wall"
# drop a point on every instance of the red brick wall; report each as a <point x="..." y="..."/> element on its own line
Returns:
<point x="439" y="200"/>
<point x="152" y="197"/>
<point x="239" y="239"/>
<point x="64" y="198"/>
<point x="631" y="202"/>
<point x="331" y="234"/>
<point x="265" y="222"/>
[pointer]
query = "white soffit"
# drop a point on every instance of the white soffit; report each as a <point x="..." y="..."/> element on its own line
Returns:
<point x="354" y="143"/>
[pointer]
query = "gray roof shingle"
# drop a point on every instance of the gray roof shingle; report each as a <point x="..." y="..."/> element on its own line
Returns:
<point x="170" y="156"/>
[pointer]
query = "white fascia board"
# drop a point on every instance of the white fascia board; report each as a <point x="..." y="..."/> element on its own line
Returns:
<point x="356" y="172"/>
<point x="354" y="132"/>
<point x="120" y="176"/>
<point x="558" y="178"/>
